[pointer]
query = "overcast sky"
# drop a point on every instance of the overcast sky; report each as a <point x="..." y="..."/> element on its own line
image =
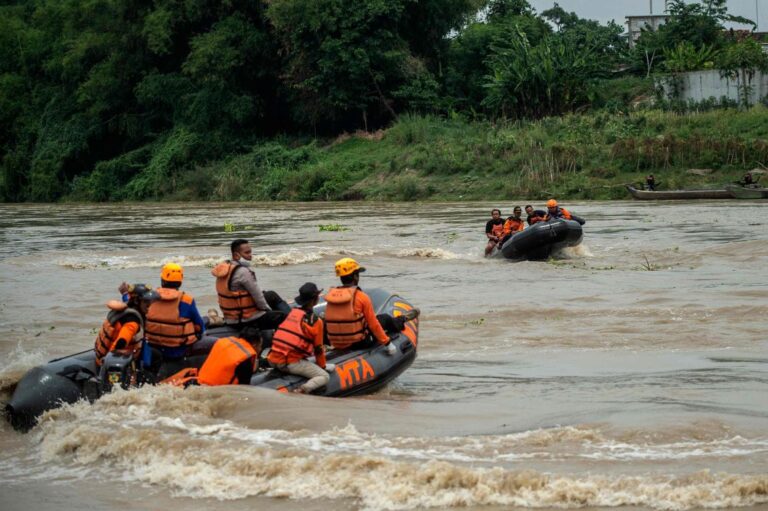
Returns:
<point x="607" y="10"/>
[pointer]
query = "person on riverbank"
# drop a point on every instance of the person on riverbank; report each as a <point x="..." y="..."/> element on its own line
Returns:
<point x="173" y="322"/>
<point x="747" y="180"/>
<point x="299" y="337"/>
<point x="232" y="360"/>
<point x="650" y="183"/>
<point x="350" y="321"/>
<point x="513" y="224"/>
<point x="534" y="215"/>
<point x="241" y="299"/>
<point x="494" y="231"/>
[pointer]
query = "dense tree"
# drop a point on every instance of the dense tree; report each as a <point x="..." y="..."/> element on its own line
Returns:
<point x="111" y="99"/>
<point x="471" y="49"/>
<point x="534" y="81"/>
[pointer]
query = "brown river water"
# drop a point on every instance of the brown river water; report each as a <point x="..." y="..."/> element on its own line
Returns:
<point x="629" y="371"/>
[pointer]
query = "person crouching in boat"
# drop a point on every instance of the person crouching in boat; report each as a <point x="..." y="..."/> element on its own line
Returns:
<point x="241" y="300"/>
<point x="554" y="211"/>
<point x="512" y="225"/>
<point x="494" y="230"/>
<point x="232" y="360"/>
<point x="299" y="337"/>
<point x="350" y="321"/>
<point x="173" y="322"/>
<point x="534" y="215"/>
<point x="122" y="326"/>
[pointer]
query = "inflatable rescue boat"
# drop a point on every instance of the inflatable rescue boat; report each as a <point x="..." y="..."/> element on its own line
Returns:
<point x="69" y="379"/>
<point x="540" y="240"/>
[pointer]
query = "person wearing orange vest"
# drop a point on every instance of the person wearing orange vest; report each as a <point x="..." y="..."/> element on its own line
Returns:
<point x="554" y="211"/>
<point x="350" y="321"/>
<point x="173" y="322"/>
<point x="232" y="360"/>
<point x="120" y="330"/>
<point x="299" y="337"/>
<point x="241" y="300"/>
<point x="494" y="230"/>
<point x="513" y="224"/>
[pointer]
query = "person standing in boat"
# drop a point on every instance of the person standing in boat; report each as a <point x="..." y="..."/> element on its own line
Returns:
<point x="173" y="322"/>
<point x="534" y="215"/>
<point x="299" y="337"/>
<point x="350" y="321"/>
<point x="747" y="180"/>
<point x="513" y="224"/>
<point x="494" y="231"/>
<point x="650" y="183"/>
<point x="241" y="299"/>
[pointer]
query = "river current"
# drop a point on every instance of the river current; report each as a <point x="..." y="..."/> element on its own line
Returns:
<point x="630" y="370"/>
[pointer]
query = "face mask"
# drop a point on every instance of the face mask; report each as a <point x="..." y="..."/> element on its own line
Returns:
<point x="244" y="262"/>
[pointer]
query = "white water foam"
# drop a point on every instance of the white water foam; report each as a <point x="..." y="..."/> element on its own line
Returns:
<point x="173" y="438"/>
<point x="15" y="364"/>
<point x="290" y="257"/>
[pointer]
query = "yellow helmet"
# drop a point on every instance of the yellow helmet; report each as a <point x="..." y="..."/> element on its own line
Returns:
<point x="347" y="266"/>
<point x="172" y="272"/>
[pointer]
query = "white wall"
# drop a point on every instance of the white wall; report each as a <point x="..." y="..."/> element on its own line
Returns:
<point x="701" y="85"/>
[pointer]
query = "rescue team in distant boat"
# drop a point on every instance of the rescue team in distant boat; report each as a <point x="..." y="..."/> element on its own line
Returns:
<point x="498" y="231"/>
<point x="171" y="323"/>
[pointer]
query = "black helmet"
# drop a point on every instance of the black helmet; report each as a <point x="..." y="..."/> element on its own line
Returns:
<point x="150" y="296"/>
<point x="138" y="289"/>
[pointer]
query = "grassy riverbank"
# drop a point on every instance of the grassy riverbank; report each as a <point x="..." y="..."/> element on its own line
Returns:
<point x="586" y="156"/>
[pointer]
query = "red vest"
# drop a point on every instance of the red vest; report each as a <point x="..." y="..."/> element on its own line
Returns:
<point x="289" y="343"/>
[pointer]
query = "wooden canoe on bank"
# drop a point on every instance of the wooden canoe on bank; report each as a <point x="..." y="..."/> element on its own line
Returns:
<point x="679" y="194"/>
<point x="747" y="192"/>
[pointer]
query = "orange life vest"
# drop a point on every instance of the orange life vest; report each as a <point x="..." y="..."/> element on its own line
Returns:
<point x="343" y="326"/>
<point x="289" y="343"/>
<point x="227" y="353"/>
<point x="513" y="225"/>
<point x="238" y="305"/>
<point x="164" y="327"/>
<point x="498" y="230"/>
<point x="562" y="213"/>
<point x="119" y="314"/>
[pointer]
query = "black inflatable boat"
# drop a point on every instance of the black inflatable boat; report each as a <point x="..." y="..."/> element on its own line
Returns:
<point x="540" y="240"/>
<point x="71" y="378"/>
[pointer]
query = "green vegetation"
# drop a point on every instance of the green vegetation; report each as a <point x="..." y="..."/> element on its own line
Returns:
<point x="585" y="156"/>
<point x="104" y="100"/>
<point x="332" y="228"/>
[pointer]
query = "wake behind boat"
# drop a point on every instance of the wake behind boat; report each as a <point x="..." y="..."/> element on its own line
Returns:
<point x="75" y="377"/>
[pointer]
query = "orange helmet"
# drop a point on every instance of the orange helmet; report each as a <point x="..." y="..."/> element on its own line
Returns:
<point x="347" y="266"/>
<point x="172" y="272"/>
<point x="551" y="203"/>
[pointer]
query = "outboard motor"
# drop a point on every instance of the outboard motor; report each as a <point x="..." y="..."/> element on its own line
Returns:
<point x="118" y="369"/>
